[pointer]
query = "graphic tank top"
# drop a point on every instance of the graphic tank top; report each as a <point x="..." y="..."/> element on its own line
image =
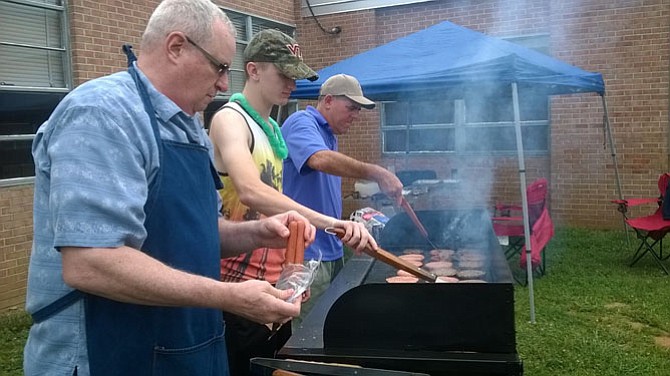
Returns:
<point x="263" y="263"/>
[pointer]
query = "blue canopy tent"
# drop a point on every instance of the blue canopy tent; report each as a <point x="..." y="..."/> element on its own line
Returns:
<point x="447" y="59"/>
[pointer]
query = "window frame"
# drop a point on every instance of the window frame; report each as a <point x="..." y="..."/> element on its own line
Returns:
<point x="9" y="89"/>
<point x="65" y="49"/>
<point x="461" y="128"/>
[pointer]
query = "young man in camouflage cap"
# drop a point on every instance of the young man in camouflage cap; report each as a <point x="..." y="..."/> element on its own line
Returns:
<point x="249" y="150"/>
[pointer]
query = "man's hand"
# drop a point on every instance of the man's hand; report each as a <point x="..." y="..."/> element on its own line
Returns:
<point x="258" y="301"/>
<point x="273" y="231"/>
<point x="390" y="184"/>
<point x="356" y="236"/>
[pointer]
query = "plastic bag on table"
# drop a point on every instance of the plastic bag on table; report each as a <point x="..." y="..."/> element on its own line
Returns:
<point x="298" y="277"/>
<point x="373" y="220"/>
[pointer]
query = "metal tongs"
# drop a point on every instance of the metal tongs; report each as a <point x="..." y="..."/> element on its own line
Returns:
<point x="412" y="215"/>
<point x="389" y="258"/>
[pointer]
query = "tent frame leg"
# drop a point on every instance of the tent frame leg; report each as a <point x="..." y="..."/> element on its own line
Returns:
<point x="524" y="199"/>
<point x="610" y="140"/>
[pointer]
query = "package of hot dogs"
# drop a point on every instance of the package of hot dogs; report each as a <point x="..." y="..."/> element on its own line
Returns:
<point x="297" y="274"/>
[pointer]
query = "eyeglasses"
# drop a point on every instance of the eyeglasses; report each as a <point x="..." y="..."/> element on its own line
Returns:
<point x="221" y="68"/>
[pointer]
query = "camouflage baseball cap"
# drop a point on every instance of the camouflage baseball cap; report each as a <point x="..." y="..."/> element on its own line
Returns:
<point x="273" y="46"/>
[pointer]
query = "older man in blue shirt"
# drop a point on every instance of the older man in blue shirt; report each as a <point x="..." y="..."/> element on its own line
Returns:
<point x="124" y="271"/>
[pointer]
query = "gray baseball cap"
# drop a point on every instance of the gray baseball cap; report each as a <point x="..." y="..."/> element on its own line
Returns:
<point x="273" y="46"/>
<point x="348" y="86"/>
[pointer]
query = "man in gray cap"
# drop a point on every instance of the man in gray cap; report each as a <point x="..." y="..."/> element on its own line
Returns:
<point x="248" y="153"/>
<point x="314" y="167"/>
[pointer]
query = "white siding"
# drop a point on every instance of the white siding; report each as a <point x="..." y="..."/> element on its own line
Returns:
<point x="323" y="7"/>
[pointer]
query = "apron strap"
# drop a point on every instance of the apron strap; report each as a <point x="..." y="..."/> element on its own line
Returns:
<point x="128" y="50"/>
<point x="149" y="108"/>
<point x="57" y="306"/>
<point x="219" y="184"/>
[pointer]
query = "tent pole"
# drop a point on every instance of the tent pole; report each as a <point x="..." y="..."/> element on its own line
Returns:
<point x="610" y="139"/>
<point x="524" y="200"/>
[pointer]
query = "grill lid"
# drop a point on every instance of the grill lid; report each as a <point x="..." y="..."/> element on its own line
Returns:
<point x="423" y="317"/>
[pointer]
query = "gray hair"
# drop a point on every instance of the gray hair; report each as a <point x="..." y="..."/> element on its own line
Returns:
<point x="193" y="17"/>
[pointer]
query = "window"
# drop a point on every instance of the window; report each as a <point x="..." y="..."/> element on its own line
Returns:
<point x="34" y="77"/>
<point x="489" y="122"/>
<point x="478" y="122"/>
<point x="415" y="127"/>
<point x="33" y="44"/>
<point x="474" y="124"/>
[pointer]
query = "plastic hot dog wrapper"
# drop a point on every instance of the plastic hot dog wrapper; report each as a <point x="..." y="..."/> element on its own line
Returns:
<point x="298" y="277"/>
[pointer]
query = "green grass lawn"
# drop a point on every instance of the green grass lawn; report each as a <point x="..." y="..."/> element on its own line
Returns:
<point x="13" y="333"/>
<point x="595" y="315"/>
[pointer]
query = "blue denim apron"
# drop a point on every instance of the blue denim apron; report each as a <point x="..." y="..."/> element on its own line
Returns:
<point x="182" y="228"/>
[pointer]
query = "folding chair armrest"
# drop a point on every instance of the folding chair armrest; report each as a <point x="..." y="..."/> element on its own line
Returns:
<point x="637" y="201"/>
<point x="504" y="210"/>
<point x="623" y="205"/>
<point x="508" y="207"/>
<point x="507" y="219"/>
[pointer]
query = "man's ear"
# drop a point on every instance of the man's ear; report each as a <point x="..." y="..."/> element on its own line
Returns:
<point x="328" y="100"/>
<point x="175" y="45"/>
<point x="252" y="70"/>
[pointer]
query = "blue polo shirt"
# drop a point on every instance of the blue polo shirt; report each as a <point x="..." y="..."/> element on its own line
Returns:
<point x="307" y="132"/>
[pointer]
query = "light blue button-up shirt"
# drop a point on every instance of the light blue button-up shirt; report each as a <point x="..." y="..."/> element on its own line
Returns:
<point x="94" y="160"/>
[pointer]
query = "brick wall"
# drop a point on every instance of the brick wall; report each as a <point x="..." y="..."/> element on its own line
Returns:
<point x="98" y="29"/>
<point x="16" y="235"/>
<point x="627" y="41"/>
<point x="276" y="10"/>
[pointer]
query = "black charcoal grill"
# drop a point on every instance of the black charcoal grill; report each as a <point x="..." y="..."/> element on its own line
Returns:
<point x="436" y="329"/>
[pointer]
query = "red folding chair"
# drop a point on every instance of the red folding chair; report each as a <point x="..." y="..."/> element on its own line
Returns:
<point x="650" y="229"/>
<point x="508" y="222"/>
